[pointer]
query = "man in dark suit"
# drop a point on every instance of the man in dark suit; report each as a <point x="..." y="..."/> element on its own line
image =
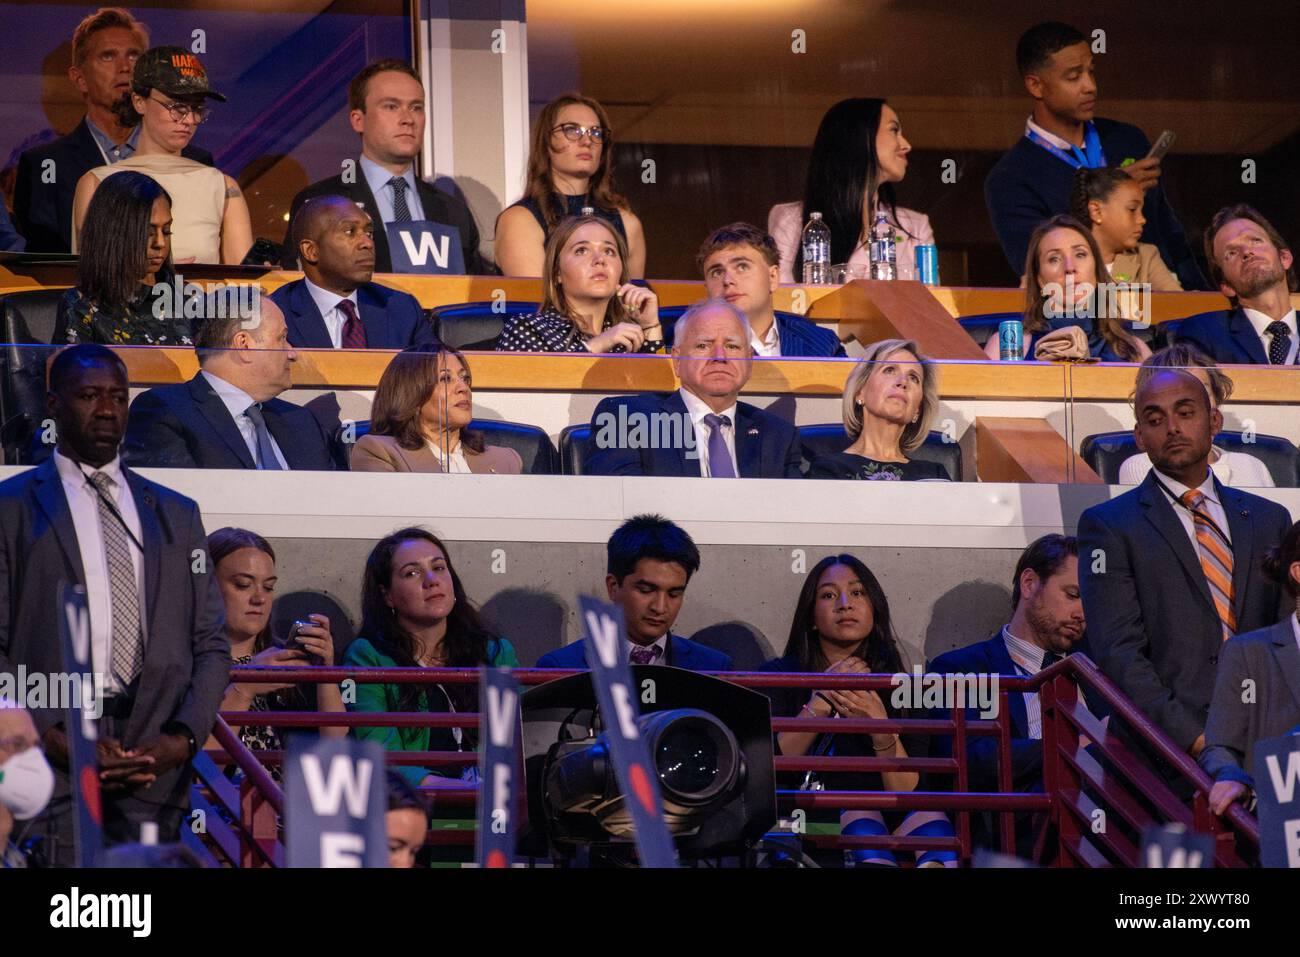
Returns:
<point x="1047" y="624"/>
<point x="741" y="265"/>
<point x="386" y="106"/>
<point x="1032" y="182"/>
<point x="701" y="429"/>
<point x="156" y="615"/>
<point x="228" y="416"/>
<point x="1254" y="268"/>
<point x="105" y="46"/>
<point x="1171" y="569"/>
<point x="335" y="305"/>
<point x="649" y="563"/>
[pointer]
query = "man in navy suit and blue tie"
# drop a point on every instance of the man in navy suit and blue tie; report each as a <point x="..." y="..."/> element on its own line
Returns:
<point x="1254" y="268"/>
<point x="228" y="416"/>
<point x="700" y="430"/>
<point x="650" y="562"/>
<point x="1171" y="569"/>
<point x="335" y="305"/>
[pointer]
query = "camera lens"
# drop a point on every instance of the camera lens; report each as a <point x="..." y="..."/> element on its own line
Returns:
<point x="687" y="759"/>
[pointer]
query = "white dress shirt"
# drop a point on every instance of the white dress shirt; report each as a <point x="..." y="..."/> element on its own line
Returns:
<point x="83" y="503"/>
<point x="769" y="345"/>
<point x="327" y="303"/>
<point x="1061" y="144"/>
<point x="1211" y="506"/>
<point x="237" y="401"/>
<point x="1260" y="322"/>
<point x="377" y="179"/>
<point x="697" y="410"/>
<point x="1295" y="628"/>
<point x="661" y="643"/>
<point x="458" y="462"/>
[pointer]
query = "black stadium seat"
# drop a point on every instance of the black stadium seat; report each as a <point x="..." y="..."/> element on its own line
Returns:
<point x="573" y="448"/>
<point x="831" y="437"/>
<point x="1106" y="452"/>
<point x="475" y="326"/>
<point x="533" y="445"/>
<point x="30" y="320"/>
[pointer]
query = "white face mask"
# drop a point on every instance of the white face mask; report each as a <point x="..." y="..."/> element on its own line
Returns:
<point x="26" y="783"/>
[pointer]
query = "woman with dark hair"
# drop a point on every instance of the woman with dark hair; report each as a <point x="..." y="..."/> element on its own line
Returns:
<point x="1266" y="661"/>
<point x="569" y="170"/>
<point x="168" y="90"/>
<point x="244" y="564"/>
<point x="842" y="625"/>
<point x="125" y="252"/>
<point x="890" y="398"/>
<point x="419" y="420"/>
<point x="407" y="821"/>
<point x="415" y="614"/>
<point x="1109" y="201"/>
<point x="588" y="304"/>
<point x="1064" y="273"/>
<point x="858" y="155"/>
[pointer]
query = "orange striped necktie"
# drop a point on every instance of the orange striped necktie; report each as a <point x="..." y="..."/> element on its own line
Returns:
<point x="1216" y="560"/>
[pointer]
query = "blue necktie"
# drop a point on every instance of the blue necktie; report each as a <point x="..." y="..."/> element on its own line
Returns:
<point x="401" y="212"/>
<point x="265" y="450"/>
<point x="719" y="456"/>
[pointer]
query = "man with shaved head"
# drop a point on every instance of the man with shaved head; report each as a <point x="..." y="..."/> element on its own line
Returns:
<point x="335" y="305"/>
<point x="1171" y="569"/>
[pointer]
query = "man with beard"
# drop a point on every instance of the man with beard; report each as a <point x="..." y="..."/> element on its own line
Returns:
<point x="1252" y="265"/>
<point x="1047" y="623"/>
<point x="1171" y="569"/>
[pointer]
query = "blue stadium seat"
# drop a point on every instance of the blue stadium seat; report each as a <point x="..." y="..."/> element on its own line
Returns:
<point x="1107" y="451"/>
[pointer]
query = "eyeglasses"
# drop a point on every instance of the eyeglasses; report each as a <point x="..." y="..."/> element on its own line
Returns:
<point x="180" y="112"/>
<point x="573" y="132"/>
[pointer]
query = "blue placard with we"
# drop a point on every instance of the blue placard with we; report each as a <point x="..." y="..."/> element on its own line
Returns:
<point x="1277" y="786"/>
<point x="425" y="247"/>
<point x="335" y="798"/>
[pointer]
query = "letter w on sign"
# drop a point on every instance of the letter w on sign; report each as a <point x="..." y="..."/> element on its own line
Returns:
<point x="1277" y="784"/>
<point x="335" y="799"/>
<point x="425" y="247"/>
<point x="501" y="763"/>
<point x="638" y="779"/>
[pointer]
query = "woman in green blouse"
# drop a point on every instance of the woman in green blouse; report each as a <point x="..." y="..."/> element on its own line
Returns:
<point x="125" y="250"/>
<point x="415" y="614"/>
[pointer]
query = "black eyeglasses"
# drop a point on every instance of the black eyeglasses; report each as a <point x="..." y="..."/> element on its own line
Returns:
<point x="182" y="111"/>
<point x="573" y="132"/>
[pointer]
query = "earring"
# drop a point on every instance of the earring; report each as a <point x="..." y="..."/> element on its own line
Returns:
<point x="915" y="417"/>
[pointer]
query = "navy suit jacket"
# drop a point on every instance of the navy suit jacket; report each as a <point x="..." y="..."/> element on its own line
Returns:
<point x="681" y="653"/>
<point x="1029" y="184"/>
<point x="186" y="425"/>
<point x="392" y="319"/>
<point x="44" y="210"/>
<point x="1225" y="336"/>
<point x="766" y="446"/>
<point x="1152" y="625"/>
<point x="800" y="337"/>
<point x="439" y="207"/>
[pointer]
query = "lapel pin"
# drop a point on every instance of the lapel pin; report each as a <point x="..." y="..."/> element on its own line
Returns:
<point x="752" y="432"/>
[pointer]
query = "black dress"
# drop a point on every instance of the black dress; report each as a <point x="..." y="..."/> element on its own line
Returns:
<point x="565" y="206"/>
<point x="846" y="465"/>
<point x="786" y="703"/>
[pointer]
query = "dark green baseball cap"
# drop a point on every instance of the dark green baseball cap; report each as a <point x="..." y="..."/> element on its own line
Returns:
<point x="174" y="71"/>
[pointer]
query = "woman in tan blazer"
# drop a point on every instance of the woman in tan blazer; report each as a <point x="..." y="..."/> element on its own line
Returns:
<point x="420" y="417"/>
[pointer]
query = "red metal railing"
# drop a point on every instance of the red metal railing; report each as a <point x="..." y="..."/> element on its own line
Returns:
<point x="1078" y="783"/>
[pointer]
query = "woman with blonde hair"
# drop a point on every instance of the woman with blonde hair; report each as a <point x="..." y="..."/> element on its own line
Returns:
<point x="890" y="398"/>
<point x="419" y="420"/>
<point x="588" y="304"/>
<point x="569" y="170"/>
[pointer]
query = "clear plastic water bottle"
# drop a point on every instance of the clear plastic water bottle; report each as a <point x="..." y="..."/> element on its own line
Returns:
<point x="883" y="254"/>
<point x="816" y="245"/>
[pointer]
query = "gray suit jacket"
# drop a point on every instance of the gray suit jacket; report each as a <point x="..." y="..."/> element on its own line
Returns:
<point x="1271" y="659"/>
<point x="187" y="655"/>
<point x="1152" y="625"/>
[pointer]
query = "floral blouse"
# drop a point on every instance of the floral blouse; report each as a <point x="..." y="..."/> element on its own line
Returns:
<point x="136" y="325"/>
